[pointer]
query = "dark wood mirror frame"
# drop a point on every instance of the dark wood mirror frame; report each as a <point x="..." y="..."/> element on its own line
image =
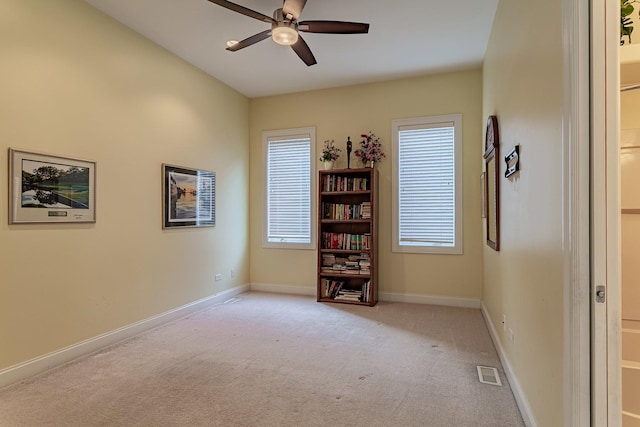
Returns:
<point x="492" y="183"/>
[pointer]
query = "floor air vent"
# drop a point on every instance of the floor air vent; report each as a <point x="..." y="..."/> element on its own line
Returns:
<point x="488" y="375"/>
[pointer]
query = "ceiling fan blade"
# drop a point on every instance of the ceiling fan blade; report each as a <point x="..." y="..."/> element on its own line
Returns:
<point x="251" y="40"/>
<point x="302" y="49"/>
<point x="243" y="10"/>
<point x="333" y="27"/>
<point x="293" y="8"/>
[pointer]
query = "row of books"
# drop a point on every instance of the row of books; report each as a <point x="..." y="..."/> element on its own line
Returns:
<point x="353" y="264"/>
<point x="343" y="183"/>
<point x="335" y="289"/>
<point x="342" y="211"/>
<point x="346" y="241"/>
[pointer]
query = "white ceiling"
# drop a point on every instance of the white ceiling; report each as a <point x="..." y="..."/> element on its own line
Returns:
<point x="406" y="38"/>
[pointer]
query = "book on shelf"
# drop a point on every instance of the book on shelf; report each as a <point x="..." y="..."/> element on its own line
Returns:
<point x="342" y="211"/>
<point x="365" y="210"/>
<point x="365" y="291"/>
<point x="346" y="241"/>
<point x="328" y="259"/>
<point x="341" y="297"/>
<point x="332" y="287"/>
<point x="353" y="264"/>
<point x="359" y="295"/>
<point x="335" y="289"/>
<point x="334" y="183"/>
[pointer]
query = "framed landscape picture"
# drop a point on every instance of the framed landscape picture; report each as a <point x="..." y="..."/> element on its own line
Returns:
<point x="189" y="197"/>
<point x="50" y="188"/>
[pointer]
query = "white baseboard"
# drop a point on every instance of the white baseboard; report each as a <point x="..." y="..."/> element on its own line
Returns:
<point x="383" y="296"/>
<point x="283" y="289"/>
<point x="16" y="373"/>
<point x="430" y="299"/>
<point x="521" y="400"/>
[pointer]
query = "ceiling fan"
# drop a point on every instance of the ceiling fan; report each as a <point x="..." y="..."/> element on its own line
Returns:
<point x="285" y="27"/>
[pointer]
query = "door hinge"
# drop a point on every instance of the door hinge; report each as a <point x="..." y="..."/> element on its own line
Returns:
<point x="601" y="293"/>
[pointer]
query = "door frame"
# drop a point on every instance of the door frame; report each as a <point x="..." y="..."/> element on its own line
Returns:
<point x="576" y="216"/>
<point x="606" y="408"/>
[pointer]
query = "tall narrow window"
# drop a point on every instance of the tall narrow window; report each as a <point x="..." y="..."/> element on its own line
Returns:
<point x="289" y="183"/>
<point x="427" y="170"/>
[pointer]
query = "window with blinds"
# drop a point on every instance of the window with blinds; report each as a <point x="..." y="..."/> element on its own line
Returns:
<point x="428" y="184"/>
<point x="289" y="179"/>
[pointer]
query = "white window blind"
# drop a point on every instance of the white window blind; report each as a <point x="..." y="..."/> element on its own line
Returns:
<point x="427" y="188"/>
<point x="288" y="190"/>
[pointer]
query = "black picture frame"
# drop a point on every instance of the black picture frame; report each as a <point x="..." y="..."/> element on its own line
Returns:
<point x="492" y="183"/>
<point x="189" y="197"/>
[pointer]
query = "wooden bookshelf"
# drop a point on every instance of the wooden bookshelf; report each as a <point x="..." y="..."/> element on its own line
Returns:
<point x="347" y="236"/>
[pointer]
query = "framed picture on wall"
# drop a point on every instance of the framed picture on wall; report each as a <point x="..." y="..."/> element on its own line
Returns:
<point x="50" y="188"/>
<point x="189" y="197"/>
<point x="483" y="198"/>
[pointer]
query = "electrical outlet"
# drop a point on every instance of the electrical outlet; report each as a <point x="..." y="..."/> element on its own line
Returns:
<point x="218" y="277"/>
<point x="511" y="337"/>
<point x="504" y="322"/>
<point x="232" y="273"/>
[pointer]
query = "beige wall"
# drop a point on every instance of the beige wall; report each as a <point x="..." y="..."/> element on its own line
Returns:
<point x="350" y="111"/>
<point x="523" y="86"/>
<point x="77" y="83"/>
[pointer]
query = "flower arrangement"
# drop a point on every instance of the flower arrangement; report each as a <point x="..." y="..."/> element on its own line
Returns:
<point x="330" y="152"/>
<point x="371" y="149"/>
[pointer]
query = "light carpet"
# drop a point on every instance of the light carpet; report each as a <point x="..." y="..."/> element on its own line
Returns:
<point x="278" y="360"/>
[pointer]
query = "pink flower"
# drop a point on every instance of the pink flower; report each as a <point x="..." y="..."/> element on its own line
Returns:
<point x="329" y="152"/>
<point x="371" y="148"/>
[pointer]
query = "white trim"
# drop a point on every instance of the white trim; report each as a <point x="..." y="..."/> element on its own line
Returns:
<point x="598" y="211"/>
<point x="614" y="267"/>
<point x="430" y="299"/>
<point x="521" y="400"/>
<point x="283" y="289"/>
<point x="16" y="373"/>
<point x="606" y="380"/>
<point x="576" y="197"/>
<point x="382" y="296"/>
<point x="304" y="132"/>
<point x="426" y="122"/>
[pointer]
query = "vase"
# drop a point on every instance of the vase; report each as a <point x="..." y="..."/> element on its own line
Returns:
<point x="372" y="163"/>
<point x="328" y="165"/>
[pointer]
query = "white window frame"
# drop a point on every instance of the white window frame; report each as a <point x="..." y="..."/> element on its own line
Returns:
<point x="283" y="134"/>
<point x="454" y="120"/>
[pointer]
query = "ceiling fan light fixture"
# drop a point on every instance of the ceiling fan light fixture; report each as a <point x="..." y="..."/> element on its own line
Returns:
<point x="285" y="26"/>
<point x="284" y="35"/>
